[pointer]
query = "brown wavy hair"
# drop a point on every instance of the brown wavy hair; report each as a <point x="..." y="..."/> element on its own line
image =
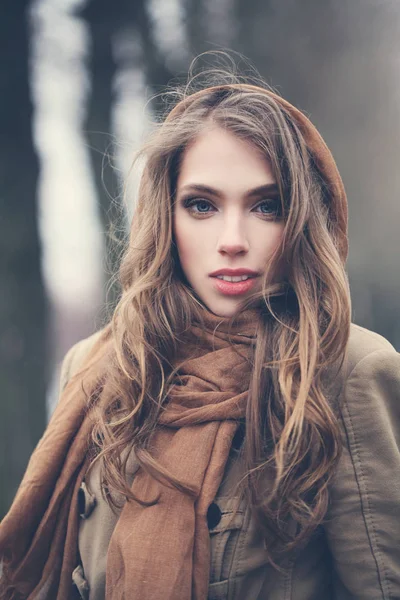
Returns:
<point x="292" y="442"/>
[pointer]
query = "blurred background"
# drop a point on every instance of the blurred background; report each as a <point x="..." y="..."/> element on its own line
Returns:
<point x="75" y="80"/>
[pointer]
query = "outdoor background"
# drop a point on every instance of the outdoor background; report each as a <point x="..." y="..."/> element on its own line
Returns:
<point x="75" y="78"/>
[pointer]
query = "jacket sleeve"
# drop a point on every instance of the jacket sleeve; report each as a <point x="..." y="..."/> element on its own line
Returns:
<point x="363" y="520"/>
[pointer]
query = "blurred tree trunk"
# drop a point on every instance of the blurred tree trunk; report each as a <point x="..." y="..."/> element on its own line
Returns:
<point x="100" y="17"/>
<point x="22" y="298"/>
<point x="104" y="21"/>
<point x="155" y="69"/>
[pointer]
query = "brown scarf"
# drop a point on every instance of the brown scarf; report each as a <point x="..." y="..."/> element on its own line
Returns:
<point x="160" y="552"/>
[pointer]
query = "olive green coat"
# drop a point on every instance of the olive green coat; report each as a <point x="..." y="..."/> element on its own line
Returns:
<point x="355" y="555"/>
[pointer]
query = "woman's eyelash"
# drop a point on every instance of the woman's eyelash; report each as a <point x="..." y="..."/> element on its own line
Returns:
<point x="273" y="204"/>
<point x="191" y="202"/>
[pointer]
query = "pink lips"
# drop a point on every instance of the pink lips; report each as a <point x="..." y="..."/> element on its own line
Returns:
<point x="234" y="288"/>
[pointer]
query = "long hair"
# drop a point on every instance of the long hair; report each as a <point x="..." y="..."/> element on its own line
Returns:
<point x="292" y="441"/>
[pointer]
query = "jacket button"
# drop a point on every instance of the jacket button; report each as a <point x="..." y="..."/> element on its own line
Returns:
<point x="86" y="501"/>
<point x="213" y="515"/>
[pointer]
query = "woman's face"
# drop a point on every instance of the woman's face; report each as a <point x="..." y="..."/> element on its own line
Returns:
<point x="226" y="219"/>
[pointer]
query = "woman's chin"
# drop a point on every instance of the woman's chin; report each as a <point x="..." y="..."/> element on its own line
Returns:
<point x="223" y="308"/>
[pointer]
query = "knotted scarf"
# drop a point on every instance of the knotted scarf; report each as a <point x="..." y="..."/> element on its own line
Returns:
<point x="159" y="552"/>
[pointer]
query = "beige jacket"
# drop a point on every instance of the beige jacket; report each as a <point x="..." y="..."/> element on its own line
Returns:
<point x="355" y="555"/>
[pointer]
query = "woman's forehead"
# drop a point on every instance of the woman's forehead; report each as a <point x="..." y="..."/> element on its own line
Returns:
<point x="218" y="158"/>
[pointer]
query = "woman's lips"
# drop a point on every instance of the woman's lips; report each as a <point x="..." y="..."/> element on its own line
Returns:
<point x="233" y="288"/>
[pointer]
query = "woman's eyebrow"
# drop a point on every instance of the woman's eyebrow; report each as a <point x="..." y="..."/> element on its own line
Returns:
<point x="202" y="189"/>
<point x="268" y="188"/>
<point x="262" y="190"/>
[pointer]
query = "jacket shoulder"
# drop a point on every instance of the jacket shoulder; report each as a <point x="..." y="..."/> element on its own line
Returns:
<point x="363" y="342"/>
<point x="75" y="356"/>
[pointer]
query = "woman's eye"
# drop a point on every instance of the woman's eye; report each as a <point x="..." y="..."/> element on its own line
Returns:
<point x="270" y="207"/>
<point x="198" y="205"/>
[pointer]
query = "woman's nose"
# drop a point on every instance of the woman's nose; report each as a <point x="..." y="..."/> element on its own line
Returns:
<point x="233" y="239"/>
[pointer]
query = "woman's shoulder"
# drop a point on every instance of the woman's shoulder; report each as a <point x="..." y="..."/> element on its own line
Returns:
<point x="75" y="356"/>
<point x="372" y="374"/>
<point x="364" y="343"/>
<point x="369" y="361"/>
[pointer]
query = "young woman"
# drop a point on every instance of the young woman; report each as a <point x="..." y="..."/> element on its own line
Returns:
<point x="229" y="435"/>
